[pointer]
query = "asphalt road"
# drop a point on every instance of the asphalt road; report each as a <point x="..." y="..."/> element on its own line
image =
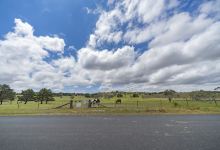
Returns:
<point x="194" y="132"/>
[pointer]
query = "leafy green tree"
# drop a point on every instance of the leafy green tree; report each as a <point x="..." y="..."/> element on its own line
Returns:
<point x="72" y="97"/>
<point x="60" y="95"/>
<point x="169" y="94"/>
<point x="27" y="95"/>
<point x="135" y="95"/>
<point x="6" y="93"/>
<point x="11" y="95"/>
<point x="45" y="95"/>
<point x="119" y="95"/>
<point x="217" y="88"/>
<point x="87" y="95"/>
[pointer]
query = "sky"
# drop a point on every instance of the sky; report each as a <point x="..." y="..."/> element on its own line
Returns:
<point x="108" y="45"/>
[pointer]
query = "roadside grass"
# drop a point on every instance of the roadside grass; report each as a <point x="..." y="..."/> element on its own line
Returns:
<point x="129" y="105"/>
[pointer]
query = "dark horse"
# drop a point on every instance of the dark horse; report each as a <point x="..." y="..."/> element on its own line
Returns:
<point x="118" y="101"/>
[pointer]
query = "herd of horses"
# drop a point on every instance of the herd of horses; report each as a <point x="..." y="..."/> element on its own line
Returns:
<point x="96" y="102"/>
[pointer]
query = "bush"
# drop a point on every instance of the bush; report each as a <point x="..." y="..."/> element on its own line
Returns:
<point x="175" y="104"/>
<point x="119" y="95"/>
<point x="135" y="95"/>
<point x="87" y="95"/>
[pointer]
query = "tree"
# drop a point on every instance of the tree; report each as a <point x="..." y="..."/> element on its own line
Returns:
<point x="217" y="88"/>
<point x="11" y="96"/>
<point x="45" y="95"/>
<point x="60" y="95"/>
<point x="87" y="95"/>
<point x="27" y="95"/>
<point x="6" y="93"/>
<point x="169" y="94"/>
<point x="72" y="97"/>
<point x="135" y="95"/>
<point x="119" y="95"/>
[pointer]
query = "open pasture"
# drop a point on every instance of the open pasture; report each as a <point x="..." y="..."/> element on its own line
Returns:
<point x="128" y="105"/>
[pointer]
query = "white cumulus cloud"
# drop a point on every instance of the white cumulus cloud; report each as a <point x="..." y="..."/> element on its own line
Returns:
<point x="181" y="50"/>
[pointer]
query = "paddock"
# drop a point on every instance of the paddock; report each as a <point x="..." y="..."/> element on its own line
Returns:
<point x="108" y="105"/>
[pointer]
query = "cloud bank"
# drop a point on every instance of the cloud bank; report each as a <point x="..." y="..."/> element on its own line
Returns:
<point x="181" y="50"/>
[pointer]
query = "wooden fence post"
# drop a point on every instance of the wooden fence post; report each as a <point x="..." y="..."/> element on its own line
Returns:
<point x="71" y="104"/>
<point x="161" y="104"/>
<point x="187" y="102"/>
<point x="18" y="104"/>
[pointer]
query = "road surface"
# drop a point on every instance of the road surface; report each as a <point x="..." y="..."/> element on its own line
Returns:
<point x="153" y="132"/>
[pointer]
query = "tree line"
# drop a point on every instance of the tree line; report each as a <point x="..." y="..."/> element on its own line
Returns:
<point x="46" y="95"/>
<point x="8" y="94"/>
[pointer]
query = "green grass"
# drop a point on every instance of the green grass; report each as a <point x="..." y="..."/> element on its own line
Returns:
<point x="129" y="106"/>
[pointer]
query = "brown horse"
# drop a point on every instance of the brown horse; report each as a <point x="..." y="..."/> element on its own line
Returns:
<point x="118" y="101"/>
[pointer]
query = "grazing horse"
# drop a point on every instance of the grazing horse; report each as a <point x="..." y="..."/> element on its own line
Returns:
<point x="118" y="101"/>
<point x="98" y="101"/>
<point x="95" y="101"/>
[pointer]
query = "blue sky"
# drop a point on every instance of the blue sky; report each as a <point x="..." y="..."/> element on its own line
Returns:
<point x="98" y="45"/>
<point x="66" y="18"/>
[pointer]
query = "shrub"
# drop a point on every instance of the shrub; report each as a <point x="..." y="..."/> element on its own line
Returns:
<point x="175" y="104"/>
<point x="119" y="95"/>
<point x="87" y="95"/>
<point x="135" y="95"/>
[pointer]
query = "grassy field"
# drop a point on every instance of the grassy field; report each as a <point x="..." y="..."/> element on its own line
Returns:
<point x="129" y="106"/>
